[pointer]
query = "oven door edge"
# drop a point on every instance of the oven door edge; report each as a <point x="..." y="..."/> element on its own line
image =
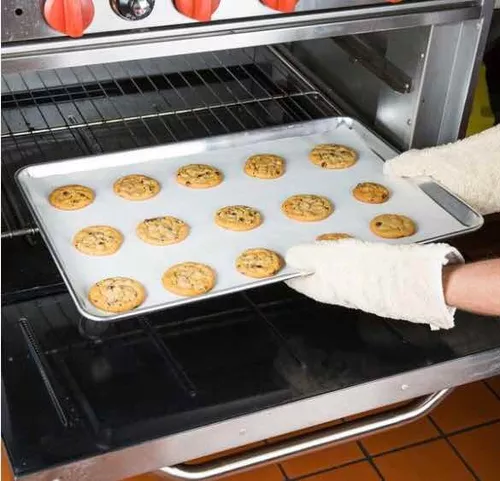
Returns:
<point x="193" y="444"/>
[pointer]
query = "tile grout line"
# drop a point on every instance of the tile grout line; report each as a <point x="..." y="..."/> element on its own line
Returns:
<point x="327" y="470"/>
<point x="455" y="450"/>
<point x="491" y="389"/>
<point x="436" y="437"/>
<point x="283" y="472"/>
<point x="370" y="459"/>
<point x="440" y="436"/>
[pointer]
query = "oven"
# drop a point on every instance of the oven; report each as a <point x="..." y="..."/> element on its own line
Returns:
<point x="104" y="401"/>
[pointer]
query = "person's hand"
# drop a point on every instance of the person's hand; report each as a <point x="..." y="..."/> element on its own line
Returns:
<point x="469" y="168"/>
<point x="395" y="281"/>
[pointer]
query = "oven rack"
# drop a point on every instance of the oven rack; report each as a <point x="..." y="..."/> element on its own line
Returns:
<point x="57" y="114"/>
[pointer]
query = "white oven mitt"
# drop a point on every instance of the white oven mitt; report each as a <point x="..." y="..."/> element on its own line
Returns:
<point x="469" y="168"/>
<point x="395" y="281"/>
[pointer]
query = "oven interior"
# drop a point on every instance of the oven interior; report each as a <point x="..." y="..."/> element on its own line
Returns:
<point x="72" y="388"/>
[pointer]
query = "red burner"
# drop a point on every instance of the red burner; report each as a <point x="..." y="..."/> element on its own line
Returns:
<point x="200" y="10"/>
<point x="71" y="17"/>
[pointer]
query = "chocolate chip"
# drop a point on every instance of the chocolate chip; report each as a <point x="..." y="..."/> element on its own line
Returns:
<point x="378" y="224"/>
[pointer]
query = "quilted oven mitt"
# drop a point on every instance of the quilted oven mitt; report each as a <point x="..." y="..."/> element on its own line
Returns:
<point x="404" y="281"/>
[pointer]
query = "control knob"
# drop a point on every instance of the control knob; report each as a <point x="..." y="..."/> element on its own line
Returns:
<point x="201" y="10"/>
<point x="133" y="9"/>
<point x="70" y="17"/>
<point x="285" y="6"/>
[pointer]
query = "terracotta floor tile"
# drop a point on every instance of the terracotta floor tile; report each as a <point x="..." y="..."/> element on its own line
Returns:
<point x="467" y="406"/>
<point x="354" y="472"/>
<point x="481" y="449"/>
<point x="433" y="461"/>
<point x="414" y="432"/>
<point x="323" y="459"/>
<point x="494" y="383"/>
<point x="6" y="471"/>
<point x="267" y="473"/>
<point x="150" y="477"/>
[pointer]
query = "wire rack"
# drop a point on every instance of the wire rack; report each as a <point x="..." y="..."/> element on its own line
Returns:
<point x="92" y="110"/>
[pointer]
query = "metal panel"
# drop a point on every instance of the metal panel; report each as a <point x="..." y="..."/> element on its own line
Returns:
<point x="444" y="73"/>
<point x="23" y="21"/>
<point x="217" y="36"/>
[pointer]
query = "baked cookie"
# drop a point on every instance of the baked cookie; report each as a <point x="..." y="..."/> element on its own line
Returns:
<point x="333" y="156"/>
<point x="98" y="240"/>
<point x="136" y="187"/>
<point x="162" y="231"/>
<point x="265" y="166"/>
<point x="259" y="263"/>
<point x="71" y="197"/>
<point x="117" y="294"/>
<point x="371" y="193"/>
<point x="307" y="207"/>
<point x="199" y="176"/>
<point x="238" y="217"/>
<point x="333" y="236"/>
<point x="392" y="226"/>
<point x="189" y="279"/>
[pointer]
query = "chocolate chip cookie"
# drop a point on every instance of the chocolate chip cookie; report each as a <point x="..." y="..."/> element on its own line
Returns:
<point x="189" y="279"/>
<point x="333" y="236"/>
<point x="71" y="197"/>
<point x="136" y="187"/>
<point x="307" y="207"/>
<point x="238" y="218"/>
<point x="98" y="240"/>
<point x="117" y="294"/>
<point x="162" y="231"/>
<point x="259" y="263"/>
<point x="265" y="166"/>
<point x="333" y="156"/>
<point x="371" y="193"/>
<point x="392" y="226"/>
<point x="199" y="176"/>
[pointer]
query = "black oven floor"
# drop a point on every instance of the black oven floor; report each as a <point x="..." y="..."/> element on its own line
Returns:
<point x="72" y="388"/>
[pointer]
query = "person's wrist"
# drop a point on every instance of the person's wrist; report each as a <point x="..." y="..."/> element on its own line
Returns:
<point x="449" y="276"/>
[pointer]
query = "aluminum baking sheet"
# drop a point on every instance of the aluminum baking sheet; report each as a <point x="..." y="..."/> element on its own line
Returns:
<point x="207" y="242"/>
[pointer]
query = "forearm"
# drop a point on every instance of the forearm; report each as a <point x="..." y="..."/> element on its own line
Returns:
<point x="473" y="287"/>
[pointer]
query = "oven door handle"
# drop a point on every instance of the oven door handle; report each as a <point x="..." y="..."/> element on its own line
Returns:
<point x="306" y="443"/>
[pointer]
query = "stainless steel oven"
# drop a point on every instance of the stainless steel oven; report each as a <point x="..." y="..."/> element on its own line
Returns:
<point x="85" y="400"/>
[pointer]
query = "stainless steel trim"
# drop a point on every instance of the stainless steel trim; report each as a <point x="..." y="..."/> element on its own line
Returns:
<point x="264" y="424"/>
<point x="217" y="36"/>
<point x="304" y="444"/>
